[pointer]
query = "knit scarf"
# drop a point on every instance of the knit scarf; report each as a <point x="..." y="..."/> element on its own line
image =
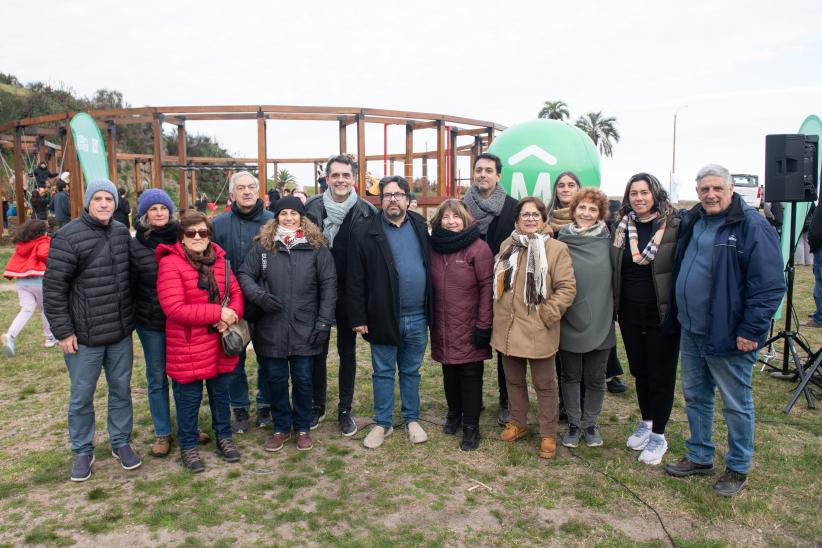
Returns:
<point x="559" y="218"/>
<point x="336" y="213"/>
<point x="485" y="210"/>
<point x="290" y="237"/>
<point x="152" y="237"/>
<point x="536" y="268"/>
<point x="628" y="223"/>
<point x="597" y="229"/>
<point x="203" y="263"/>
<point x="444" y="241"/>
<point x="248" y="216"/>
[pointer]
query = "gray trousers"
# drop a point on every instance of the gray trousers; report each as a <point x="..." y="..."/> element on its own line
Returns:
<point x="590" y="369"/>
<point x="84" y="370"/>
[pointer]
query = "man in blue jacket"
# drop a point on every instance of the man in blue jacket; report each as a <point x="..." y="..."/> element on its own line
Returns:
<point x="234" y="231"/>
<point x="728" y="283"/>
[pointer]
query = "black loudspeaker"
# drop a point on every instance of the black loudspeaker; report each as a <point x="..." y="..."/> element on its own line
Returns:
<point x="791" y="168"/>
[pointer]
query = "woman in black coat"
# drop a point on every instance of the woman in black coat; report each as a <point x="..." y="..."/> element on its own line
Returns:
<point x="289" y="275"/>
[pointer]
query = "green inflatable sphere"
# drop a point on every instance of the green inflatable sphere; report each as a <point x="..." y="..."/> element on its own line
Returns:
<point x="533" y="153"/>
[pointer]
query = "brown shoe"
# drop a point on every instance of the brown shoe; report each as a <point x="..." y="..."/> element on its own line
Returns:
<point x="161" y="446"/>
<point x="203" y="438"/>
<point x="276" y="441"/>
<point x="548" y="448"/>
<point x="811" y="323"/>
<point x="304" y="442"/>
<point x="512" y="432"/>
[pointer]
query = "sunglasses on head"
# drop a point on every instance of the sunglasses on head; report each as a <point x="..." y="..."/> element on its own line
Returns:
<point x="202" y="232"/>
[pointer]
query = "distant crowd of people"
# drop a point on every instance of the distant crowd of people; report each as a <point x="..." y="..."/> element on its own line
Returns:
<point x="541" y="285"/>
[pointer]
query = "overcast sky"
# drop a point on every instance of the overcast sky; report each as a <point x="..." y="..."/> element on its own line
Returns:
<point x="744" y="69"/>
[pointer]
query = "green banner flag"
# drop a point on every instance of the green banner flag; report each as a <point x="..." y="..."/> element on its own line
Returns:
<point x="90" y="147"/>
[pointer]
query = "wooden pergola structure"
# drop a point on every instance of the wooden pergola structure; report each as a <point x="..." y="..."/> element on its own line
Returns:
<point x="42" y="134"/>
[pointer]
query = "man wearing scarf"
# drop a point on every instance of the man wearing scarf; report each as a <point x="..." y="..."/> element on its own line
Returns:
<point x="234" y="231"/>
<point x="493" y="210"/>
<point x="338" y="211"/>
<point x="728" y="283"/>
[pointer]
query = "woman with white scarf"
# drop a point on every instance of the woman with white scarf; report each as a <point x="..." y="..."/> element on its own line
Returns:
<point x="533" y="286"/>
<point x="289" y="274"/>
<point x="642" y="256"/>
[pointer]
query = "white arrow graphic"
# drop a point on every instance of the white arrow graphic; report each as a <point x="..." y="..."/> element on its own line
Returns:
<point x="532" y="150"/>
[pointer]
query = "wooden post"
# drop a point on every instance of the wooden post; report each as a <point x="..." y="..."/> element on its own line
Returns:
<point x="138" y="176"/>
<point x="441" y="173"/>
<point x="490" y="135"/>
<point x="277" y="175"/>
<point x="182" y="159"/>
<point x="475" y="151"/>
<point x="157" y="163"/>
<point x="111" y="151"/>
<point x="316" y="178"/>
<point x="42" y="152"/>
<point x="343" y="144"/>
<point x="409" y="153"/>
<point x="19" y="174"/>
<point x="262" y="166"/>
<point x="52" y="161"/>
<point x="194" y="196"/>
<point x="361" y="153"/>
<point x="452" y="162"/>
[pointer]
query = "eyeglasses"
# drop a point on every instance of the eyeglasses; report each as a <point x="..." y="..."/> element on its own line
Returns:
<point x="201" y="232"/>
<point x="531" y="215"/>
<point x="394" y="196"/>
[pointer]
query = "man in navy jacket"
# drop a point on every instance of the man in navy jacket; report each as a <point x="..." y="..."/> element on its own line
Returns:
<point x="728" y="283"/>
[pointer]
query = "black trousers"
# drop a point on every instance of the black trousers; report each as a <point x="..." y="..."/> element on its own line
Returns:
<point x="347" y="350"/>
<point x="652" y="360"/>
<point x="503" y="389"/>
<point x="463" y="390"/>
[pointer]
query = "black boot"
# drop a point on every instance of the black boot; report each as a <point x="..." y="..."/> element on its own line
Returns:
<point x="470" y="438"/>
<point x="452" y="423"/>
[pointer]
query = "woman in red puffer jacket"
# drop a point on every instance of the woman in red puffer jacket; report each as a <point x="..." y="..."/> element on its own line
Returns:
<point x="191" y="286"/>
<point x="462" y="267"/>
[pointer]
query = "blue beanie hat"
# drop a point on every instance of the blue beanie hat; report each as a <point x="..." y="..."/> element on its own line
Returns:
<point x="96" y="186"/>
<point x="151" y="197"/>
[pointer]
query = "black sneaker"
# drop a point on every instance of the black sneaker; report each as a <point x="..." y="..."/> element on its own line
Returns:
<point x="263" y="418"/>
<point x="191" y="460"/>
<point x="347" y="425"/>
<point x="452" y="424"/>
<point x="226" y="449"/>
<point x="730" y="484"/>
<point x="81" y="469"/>
<point x="317" y="416"/>
<point x="239" y="424"/>
<point x="616" y="386"/>
<point x="470" y="438"/>
<point x="685" y="467"/>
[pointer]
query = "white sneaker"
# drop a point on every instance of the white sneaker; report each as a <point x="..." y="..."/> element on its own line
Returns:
<point x="415" y="432"/>
<point x="654" y="451"/>
<point x="639" y="439"/>
<point x="51" y="342"/>
<point x="377" y="435"/>
<point x="7" y="343"/>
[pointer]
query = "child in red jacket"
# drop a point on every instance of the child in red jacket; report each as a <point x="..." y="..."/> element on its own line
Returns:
<point x="27" y="267"/>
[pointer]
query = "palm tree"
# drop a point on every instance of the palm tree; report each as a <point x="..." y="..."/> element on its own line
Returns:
<point x="284" y="177"/>
<point x="554" y="110"/>
<point x="601" y="129"/>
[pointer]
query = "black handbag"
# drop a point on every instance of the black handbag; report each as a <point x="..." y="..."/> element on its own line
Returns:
<point x="238" y="335"/>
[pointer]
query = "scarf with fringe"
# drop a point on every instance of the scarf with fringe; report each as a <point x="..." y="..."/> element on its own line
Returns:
<point x="628" y="224"/>
<point x="536" y="268"/>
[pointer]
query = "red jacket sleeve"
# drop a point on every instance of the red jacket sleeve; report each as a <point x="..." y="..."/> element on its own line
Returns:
<point x="171" y="292"/>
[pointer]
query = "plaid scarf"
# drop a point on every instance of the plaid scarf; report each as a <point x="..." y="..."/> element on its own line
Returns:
<point x="628" y="223"/>
<point x="536" y="268"/>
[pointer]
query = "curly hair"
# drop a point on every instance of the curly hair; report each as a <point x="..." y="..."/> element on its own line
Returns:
<point x="30" y="230"/>
<point x="268" y="234"/>
<point x="594" y="196"/>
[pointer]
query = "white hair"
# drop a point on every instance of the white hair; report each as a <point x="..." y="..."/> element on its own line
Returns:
<point x="239" y="175"/>
<point x="715" y="170"/>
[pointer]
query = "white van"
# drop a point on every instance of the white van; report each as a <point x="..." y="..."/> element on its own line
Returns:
<point x="748" y="187"/>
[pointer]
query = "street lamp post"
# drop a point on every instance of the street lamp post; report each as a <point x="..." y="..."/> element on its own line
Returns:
<point x="673" y="156"/>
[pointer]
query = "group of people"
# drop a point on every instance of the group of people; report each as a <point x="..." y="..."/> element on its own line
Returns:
<point x="542" y="285"/>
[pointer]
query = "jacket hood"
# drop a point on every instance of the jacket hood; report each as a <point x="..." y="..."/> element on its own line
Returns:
<point x="26" y="249"/>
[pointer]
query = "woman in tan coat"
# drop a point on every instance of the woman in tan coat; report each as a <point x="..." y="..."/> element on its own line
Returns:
<point x="533" y="286"/>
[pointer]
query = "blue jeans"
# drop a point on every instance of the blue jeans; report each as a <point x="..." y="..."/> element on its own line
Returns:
<point x="732" y="375"/>
<point x="84" y="371"/>
<point x="238" y="385"/>
<point x="154" y="350"/>
<point x="277" y="371"/>
<point x="187" y="398"/>
<point x="817" y="287"/>
<point x="407" y="358"/>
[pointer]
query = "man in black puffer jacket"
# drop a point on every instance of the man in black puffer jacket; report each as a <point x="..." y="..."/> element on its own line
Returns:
<point x="87" y="300"/>
<point x="338" y="211"/>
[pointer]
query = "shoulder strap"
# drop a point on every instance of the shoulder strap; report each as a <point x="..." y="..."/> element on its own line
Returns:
<point x="90" y="257"/>
<point x="226" y="296"/>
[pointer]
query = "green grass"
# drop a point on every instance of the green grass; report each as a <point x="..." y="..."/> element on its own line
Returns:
<point x="400" y="495"/>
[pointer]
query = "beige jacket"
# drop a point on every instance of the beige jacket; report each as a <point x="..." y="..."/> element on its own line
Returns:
<point x="516" y="332"/>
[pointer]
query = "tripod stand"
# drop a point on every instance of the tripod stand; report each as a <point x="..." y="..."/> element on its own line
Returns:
<point x="789" y="352"/>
